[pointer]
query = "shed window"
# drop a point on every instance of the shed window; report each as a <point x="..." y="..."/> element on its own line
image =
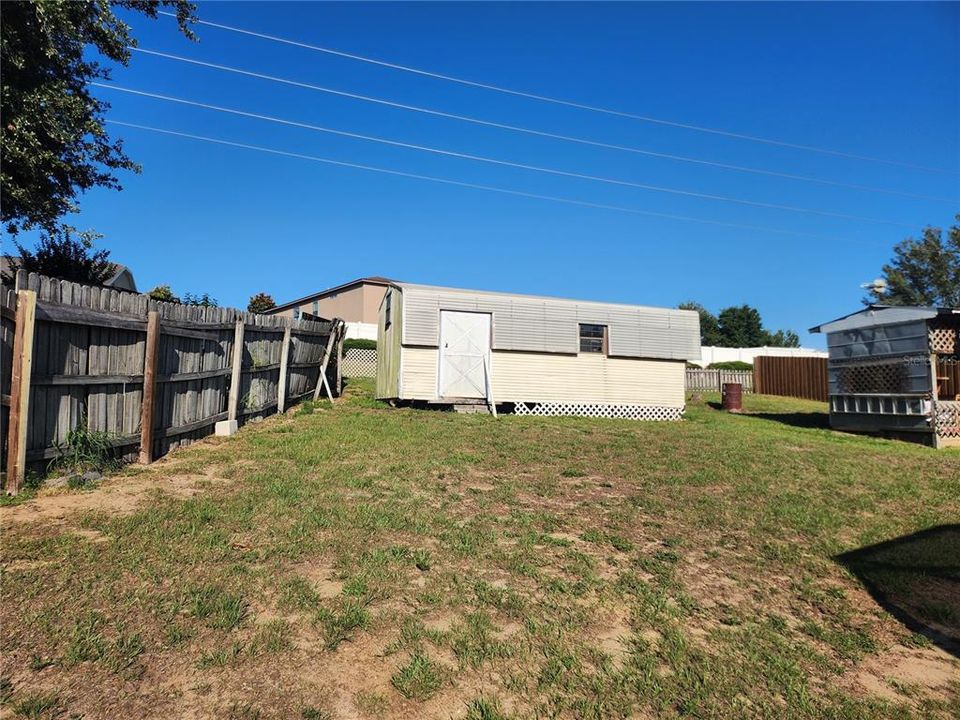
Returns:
<point x="316" y="307"/>
<point x="296" y="313"/>
<point x="593" y="338"/>
<point x="387" y="308"/>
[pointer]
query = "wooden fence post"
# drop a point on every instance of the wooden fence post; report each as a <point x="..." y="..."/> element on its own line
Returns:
<point x="234" y="399"/>
<point x="20" y="390"/>
<point x="282" y="383"/>
<point x="149" y="387"/>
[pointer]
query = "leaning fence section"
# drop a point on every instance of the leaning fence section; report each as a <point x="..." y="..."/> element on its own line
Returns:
<point x="699" y="380"/>
<point x="146" y="376"/>
<point x="800" y="377"/>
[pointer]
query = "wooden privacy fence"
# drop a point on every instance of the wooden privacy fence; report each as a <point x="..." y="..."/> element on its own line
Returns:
<point x="701" y="380"/>
<point x="151" y="375"/>
<point x="801" y="377"/>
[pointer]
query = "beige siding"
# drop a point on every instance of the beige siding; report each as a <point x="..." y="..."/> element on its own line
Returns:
<point x="372" y="297"/>
<point x="388" y="347"/>
<point x="534" y="377"/>
<point x="588" y="377"/>
<point x="418" y="373"/>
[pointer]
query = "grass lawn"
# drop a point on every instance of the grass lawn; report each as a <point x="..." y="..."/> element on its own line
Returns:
<point x="356" y="561"/>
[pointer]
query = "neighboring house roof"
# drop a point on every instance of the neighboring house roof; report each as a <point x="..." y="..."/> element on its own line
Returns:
<point x="874" y="315"/>
<point x="371" y="280"/>
<point x="122" y="278"/>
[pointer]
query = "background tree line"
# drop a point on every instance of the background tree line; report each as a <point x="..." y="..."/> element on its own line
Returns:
<point x="737" y="327"/>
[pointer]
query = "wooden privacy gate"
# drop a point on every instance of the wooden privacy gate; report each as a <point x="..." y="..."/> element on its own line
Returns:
<point x="152" y="375"/>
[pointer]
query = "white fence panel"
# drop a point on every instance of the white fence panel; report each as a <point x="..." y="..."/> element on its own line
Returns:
<point x="360" y="362"/>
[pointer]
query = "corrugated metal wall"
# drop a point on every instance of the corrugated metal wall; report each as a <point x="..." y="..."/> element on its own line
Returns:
<point x="535" y="324"/>
<point x="879" y="340"/>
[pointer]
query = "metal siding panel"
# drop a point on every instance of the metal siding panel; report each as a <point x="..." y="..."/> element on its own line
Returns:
<point x="535" y="324"/>
<point x="879" y="340"/>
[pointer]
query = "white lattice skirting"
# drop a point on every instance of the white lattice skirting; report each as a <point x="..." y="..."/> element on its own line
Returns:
<point x="947" y="419"/>
<point x="620" y="412"/>
<point x="360" y="362"/>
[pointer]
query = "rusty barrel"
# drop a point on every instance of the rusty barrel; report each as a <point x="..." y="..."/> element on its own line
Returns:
<point x="732" y="397"/>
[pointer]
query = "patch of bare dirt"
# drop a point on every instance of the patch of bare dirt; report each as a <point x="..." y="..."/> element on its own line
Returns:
<point x="612" y="636"/>
<point x="322" y="576"/>
<point x="119" y="495"/>
<point x="887" y="674"/>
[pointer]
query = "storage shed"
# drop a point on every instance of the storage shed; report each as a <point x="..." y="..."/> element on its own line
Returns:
<point x="534" y="355"/>
<point x="895" y="371"/>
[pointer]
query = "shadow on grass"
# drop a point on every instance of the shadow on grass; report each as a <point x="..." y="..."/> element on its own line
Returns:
<point x="795" y="419"/>
<point x="916" y="578"/>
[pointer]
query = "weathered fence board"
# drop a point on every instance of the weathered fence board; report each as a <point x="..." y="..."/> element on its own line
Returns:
<point x="801" y="377"/>
<point x="88" y="367"/>
<point x="701" y="380"/>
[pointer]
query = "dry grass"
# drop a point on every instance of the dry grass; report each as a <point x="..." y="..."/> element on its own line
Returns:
<point x="357" y="561"/>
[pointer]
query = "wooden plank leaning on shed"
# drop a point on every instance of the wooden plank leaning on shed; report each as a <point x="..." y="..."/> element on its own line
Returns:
<point x="20" y="390"/>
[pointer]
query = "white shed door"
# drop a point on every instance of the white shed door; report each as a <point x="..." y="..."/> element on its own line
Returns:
<point x="464" y="346"/>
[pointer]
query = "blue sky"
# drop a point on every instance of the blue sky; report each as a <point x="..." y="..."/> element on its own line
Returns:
<point x="872" y="79"/>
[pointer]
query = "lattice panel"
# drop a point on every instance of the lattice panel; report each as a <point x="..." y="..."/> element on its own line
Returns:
<point x="873" y="378"/>
<point x="944" y="340"/>
<point x="360" y="362"/>
<point x="946" y="419"/>
<point x="619" y="412"/>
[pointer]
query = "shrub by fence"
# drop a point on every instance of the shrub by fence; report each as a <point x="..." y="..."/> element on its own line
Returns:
<point x="148" y="376"/>
<point x="801" y="377"/>
<point x="699" y="380"/>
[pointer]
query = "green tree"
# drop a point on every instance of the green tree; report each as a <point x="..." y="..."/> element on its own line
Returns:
<point x="741" y="326"/>
<point x="202" y="300"/>
<point x="260" y="303"/>
<point x="53" y="144"/>
<point x="163" y="293"/>
<point x="924" y="271"/>
<point x="709" y="325"/>
<point x="783" y="338"/>
<point x="66" y="256"/>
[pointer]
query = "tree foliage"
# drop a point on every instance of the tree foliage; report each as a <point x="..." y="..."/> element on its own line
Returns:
<point x="924" y="271"/>
<point x="66" y="256"/>
<point x="199" y="299"/>
<point x="739" y="326"/>
<point x="261" y="303"/>
<point x="52" y="140"/>
<point x="163" y="293"/>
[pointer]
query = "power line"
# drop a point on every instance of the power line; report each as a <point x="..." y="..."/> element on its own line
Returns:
<point x="539" y="133"/>
<point x="475" y="186"/>
<point x="570" y="103"/>
<point x="504" y="163"/>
